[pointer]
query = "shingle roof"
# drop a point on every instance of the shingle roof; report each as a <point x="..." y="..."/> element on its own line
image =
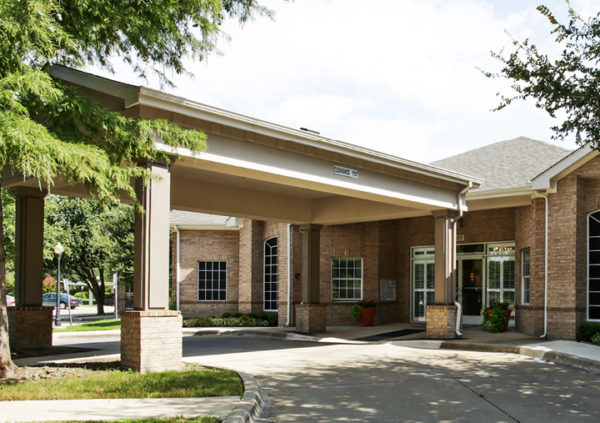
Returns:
<point x="505" y="164"/>
<point x="184" y="218"/>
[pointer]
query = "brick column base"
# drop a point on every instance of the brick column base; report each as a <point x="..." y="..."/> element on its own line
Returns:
<point x="151" y="340"/>
<point x="29" y="327"/>
<point x="311" y="318"/>
<point x="441" y="321"/>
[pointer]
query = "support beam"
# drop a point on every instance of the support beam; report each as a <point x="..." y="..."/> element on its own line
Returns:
<point x="310" y="315"/>
<point x="151" y="334"/>
<point x="441" y="316"/>
<point x="30" y="324"/>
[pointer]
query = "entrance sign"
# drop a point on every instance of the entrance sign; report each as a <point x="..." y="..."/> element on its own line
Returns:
<point x="344" y="171"/>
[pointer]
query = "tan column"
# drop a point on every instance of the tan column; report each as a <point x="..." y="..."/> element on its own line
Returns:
<point x="250" y="285"/>
<point x="151" y="245"/>
<point x="441" y="316"/>
<point x="311" y="256"/>
<point x="151" y="335"/>
<point x="310" y="314"/>
<point x="30" y="324"/>
<point x="445" y="256"/>
<point x="29" y="246"/>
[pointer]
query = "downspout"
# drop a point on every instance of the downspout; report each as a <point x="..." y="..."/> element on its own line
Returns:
<point x="289" y="279"/>
<point x="177" y="266"/>
<point x="546" y="223"/>
<point x="460" y="196"/>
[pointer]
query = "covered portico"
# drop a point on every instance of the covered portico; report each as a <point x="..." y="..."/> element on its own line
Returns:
<point x="254" y="169"/>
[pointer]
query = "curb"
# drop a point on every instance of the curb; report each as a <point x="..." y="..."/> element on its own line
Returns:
<point x="551" y="356"/>
<point x="251" y="405"/>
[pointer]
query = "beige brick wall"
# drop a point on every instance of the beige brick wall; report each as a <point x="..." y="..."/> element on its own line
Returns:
<point x="204" y="245"/>
<point x="29" y="327"/>
<point x="151" y="341"/>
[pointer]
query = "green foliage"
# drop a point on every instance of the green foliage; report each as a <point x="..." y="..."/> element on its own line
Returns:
<point x="566" y="85"/>
<point x="124" y="384"/>
<point x="596" y="338"/>
<point x="586" y="331"/>
<point x="355" y="312"/>
<point x="494" y="317"/>
<point x="272" y="318"/>
<point x="243" y="320"/>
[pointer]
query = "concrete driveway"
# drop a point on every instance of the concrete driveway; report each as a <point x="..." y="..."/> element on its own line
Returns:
<point x="309" y="382"/>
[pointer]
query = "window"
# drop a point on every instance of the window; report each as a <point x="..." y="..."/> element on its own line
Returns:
<point x="525" y="275"/>
<point x="422" y="281"/>
<point x="346" y="279"/>
<point x="271" y="283"/>
<point x="212" y="281"/>
<point x="501" y="273"/>
<point x="593" y="288"/>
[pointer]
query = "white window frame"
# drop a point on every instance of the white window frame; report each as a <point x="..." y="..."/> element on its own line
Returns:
<point x="420" y="255"/>
<point x="265" y="274"/>
<point x="526" y="278"/>
<point x="588" y="264"/>
<point x="505" y="250"/>
<point x="333" y="279"/>
<point x="212" y="290"/>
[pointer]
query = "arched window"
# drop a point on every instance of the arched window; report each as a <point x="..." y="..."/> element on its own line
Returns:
<point x="593" y="288"/>
<point x="271" y="286"/>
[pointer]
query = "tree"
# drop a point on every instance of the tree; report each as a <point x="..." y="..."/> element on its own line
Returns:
<point x="98" y="240"/>
<point x="568" y="84"/>
<point x="47" y="129"/>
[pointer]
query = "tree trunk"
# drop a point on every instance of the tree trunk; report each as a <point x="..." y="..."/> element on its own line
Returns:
<point x="7" y="367"/>
<point x="101" y="293"/>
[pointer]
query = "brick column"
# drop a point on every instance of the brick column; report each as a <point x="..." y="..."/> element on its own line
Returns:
<point x="151" y="334"/>
<point x="30" y="324"/>
<point x="441" y="316"/>
<point x="310" y="314"/>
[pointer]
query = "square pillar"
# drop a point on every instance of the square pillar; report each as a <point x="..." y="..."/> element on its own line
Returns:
<point x="30" y="324"/>
<point x="151" y="334"/>
<point x="250" y="286"/>
<point x="311" y="315"/>
<point x="442" y="314"/>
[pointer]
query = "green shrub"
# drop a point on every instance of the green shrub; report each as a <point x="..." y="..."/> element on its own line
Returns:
<point x="494" y="319"/>
<point x="587" y="331"/>
<point x="244" y="320"/>
<point x="596" y="338"/>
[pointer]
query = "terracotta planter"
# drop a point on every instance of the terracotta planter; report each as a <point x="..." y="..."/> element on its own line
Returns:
<point x="367" y="316"/>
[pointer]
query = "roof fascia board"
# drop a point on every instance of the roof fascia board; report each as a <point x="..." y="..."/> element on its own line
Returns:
<point x="499" y="193"/>
<point x="204" y="227"/>
<point x="158" y="99"/>
<point x="129" y="93"/>
<point x="548" y="178"/>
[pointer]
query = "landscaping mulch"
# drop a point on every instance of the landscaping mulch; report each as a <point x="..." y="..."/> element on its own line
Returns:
<point x="42" y="352"/>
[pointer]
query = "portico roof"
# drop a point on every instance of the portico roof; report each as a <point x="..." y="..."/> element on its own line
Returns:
<point x="258" y="169"/>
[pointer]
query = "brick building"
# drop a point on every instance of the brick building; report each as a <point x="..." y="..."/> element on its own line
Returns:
<point x="530" y="189"/>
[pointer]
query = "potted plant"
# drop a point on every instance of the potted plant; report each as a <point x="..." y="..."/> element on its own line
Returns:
<point x="363" y="313"/>
<point x="496" y="317"/>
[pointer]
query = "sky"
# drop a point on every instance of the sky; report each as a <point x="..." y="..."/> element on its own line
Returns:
<point x="398" y="76"/>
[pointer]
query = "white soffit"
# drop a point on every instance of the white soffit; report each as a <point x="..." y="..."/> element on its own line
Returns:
<point x="548" y="178"/>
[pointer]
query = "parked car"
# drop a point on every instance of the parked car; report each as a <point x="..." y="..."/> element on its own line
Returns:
<point x="10" y="300"/>
<point x="49" y="299"/>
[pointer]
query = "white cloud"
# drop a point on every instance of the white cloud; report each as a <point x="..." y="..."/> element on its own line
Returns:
<point x="397" y="76"/>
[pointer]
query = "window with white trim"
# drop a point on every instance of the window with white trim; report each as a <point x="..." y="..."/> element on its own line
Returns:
<point x="501" y="273"/>
<point x="212" y="281"/>
<point x="593" y="287"/>
<point x="525" y="274"/>
<point x="271" y="276"/>
<point x="346" y="279"/>
<point x="423" y="265"/>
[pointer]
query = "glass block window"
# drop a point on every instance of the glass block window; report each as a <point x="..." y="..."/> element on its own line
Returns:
<point x="346" y="279"/>
<point x="593" y="288"/>
<point x="525" y="275"/>
<point x="212" y="281"/>
<point x="271" y="272"/>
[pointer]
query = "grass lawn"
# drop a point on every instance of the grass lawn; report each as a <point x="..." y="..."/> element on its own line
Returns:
<point x="110" y="382"/>
<point x="107" y="324"/>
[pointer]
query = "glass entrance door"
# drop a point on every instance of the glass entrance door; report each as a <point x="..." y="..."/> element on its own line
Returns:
<point x="470" y="285"/>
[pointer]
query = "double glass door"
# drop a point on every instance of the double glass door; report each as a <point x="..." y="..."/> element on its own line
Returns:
<point x="469" y="289"/>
